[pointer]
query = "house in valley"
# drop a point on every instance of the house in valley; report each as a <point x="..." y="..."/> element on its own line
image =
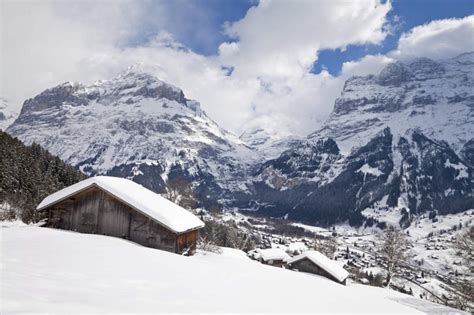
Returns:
<point x="122" y="208"/>
<point x="272" y="256"/>
<point x="317" y="263"/>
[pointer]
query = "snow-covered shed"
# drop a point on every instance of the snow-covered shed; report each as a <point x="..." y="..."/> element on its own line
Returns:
<point x="122" y="208"/>
<point x="272" y="256"/>
<point x="315" y="262"/>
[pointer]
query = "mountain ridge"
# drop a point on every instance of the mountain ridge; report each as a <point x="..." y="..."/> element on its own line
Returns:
<point x="412" y="119"/>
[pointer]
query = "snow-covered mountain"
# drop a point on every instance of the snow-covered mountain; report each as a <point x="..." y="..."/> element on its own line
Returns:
<point x="434" y="97"/>
<point x="399" y="143"/>
<point x="139" y="127"/>
<point x="269" y="144"/>
<point x="7" y="114"/>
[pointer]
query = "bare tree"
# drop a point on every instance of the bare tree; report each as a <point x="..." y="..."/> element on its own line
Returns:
<point x="464" y="246"/>
<point x="239" y="239"/>
<point x="393" y="247"/>
<point x="462" y="286"/>
<point x="227" y="234"/>
<point x="208" y="245"/>
<point x="327" y="246"/>
<point x="181" y="192"/>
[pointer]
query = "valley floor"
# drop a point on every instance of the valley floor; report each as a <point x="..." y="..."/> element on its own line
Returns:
<point x="53" y="271"/>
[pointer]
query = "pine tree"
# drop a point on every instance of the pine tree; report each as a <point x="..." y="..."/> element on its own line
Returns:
<point x="30" y="173"/>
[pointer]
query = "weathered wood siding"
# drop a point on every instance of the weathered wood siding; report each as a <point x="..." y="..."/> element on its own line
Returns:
<point x="306" y="265"/>
<point x="188" y="241"/>
<point x="96" y="212"/>
<point x="114" y="217"/>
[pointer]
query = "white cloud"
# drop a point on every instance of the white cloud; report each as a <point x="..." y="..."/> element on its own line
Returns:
<point x="276" y="44"/>
<point x="44" y="44"/>
<point x="438" y="39"/>
<point x="370" y="64"/>
<point x="281" y="38"/>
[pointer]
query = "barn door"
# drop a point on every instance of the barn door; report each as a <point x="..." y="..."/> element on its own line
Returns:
<point x="139" y="229"/>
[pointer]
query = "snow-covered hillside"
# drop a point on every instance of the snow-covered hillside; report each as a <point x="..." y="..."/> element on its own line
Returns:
<point x="269" y="144"/>
<point x="53" y="271"/>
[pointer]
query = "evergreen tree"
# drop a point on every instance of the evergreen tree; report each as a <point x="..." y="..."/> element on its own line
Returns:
<point x="30" y="173"/>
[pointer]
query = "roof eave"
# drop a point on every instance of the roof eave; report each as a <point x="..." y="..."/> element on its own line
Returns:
<point x="123" y="201"/>
<point x="38" y="208"/>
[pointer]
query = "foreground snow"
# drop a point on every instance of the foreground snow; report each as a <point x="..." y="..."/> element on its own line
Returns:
<point x="46" y="270"/>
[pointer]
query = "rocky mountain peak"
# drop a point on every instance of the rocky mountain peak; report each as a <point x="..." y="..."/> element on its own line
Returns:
<point x="139" y="127"/>
<point x="397" y="73"/>
<point x="54" y="98"/>
<point x="323" y="145"/>
<point x="435" y="96"/>
<point x="425" y="68"/>
<point x="394" y="74"/>
<point x="130" y="87"/>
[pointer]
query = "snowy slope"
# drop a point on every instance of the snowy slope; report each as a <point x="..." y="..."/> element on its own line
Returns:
<point x="269" y="144"/>
<point x="53" y="271"/>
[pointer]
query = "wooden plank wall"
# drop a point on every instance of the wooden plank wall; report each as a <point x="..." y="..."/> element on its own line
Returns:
<point x="188" y="240"/>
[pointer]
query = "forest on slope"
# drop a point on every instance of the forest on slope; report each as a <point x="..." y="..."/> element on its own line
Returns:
<point x="27" y="175"/>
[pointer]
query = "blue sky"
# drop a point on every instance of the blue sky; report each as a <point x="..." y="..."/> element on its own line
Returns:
<point x="201" y="24"/>
<point x="405" y="15"/>
<point x="210" y="16"/>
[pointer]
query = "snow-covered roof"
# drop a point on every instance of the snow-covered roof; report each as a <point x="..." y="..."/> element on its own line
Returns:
<point x="328" y="265"/>
<point x="165" y="212"/>
<point x="273" y="254"/>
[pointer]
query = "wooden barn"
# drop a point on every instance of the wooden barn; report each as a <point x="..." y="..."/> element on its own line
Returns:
<point x="122" y="208"/>
<point x="317" y="263"/>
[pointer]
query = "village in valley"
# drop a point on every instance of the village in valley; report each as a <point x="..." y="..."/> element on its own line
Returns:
<point x="431" y="271"/>
<point x="425" y="263"/>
